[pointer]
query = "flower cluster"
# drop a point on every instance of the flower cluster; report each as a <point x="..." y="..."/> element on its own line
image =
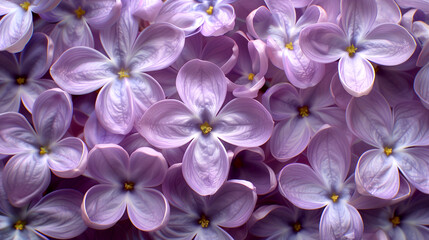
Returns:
<point x="214" y="119"/>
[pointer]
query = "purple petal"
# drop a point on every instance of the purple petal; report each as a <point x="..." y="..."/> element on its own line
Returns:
<point x="421" y="84"/>
<point x="213" y="233"/>
<point x="95" y="133"/>
<point x="285" y="9"/>
<point x="387" y="12"/>
<point x="243" y="122"/>
<point x="108" y="163"/>
<point x="205" y="165"/>
<point x="146" y="91"/>
<point x="102" y="206"/>
<point x="36" y="58"/>
<point x="148" y="209"/>
<point x="16" y="29"/>
<point x="168" y="124"/>
<point x="259" y="21"/>
<point x="222" y="51"/>
<point x="358" y="17"/>
<point x="133" y="142"/>
<point x="44" y="6"/>
<point x="201" y="86"/>
<point x="301" y="186"/>
<point x="25" y="176"/>
<point x="58" y="214"/>
<point x="16" y="134"/>
<point x="32" y="90"/>
<point x="68" y="157"/>
<point x="356" y="74"/>
<point x="148" y="167"/>
<point x="103" y="13"/>
<point x="414" y="164"/>
<point x="340" y="221"/>
<point x="221" y="22"/>
<point x="233" y="204"/>
<point x="81" y="70"/>
<point x="340" y="95"/>
<point x="282" y="101"/>
<point x="411" y="124"/>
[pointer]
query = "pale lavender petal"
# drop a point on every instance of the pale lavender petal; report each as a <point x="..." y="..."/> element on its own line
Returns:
<point x="387" y="12"/>
<point x="378" y="174"/>
<point x="411" y="124"/>
<point x="202" y="86"/>
<point x="311" y="15"/>
<point x="16" y="134"/>
<point x="6" y="6"/>
<point x="340" y="221"/>
<point x="282" y="101"/>
<point x="370" y="118"/>
<point x="45" y="5"/>
<point x="414" y="164"/>
<point x="16" y="29"/>
<point x="243" y="122"/>
<point x="421" y="84"/>
<point x="36" y="58"/>
<point x="285" y="9"/>
<point x="340" y="95"/>
<point x="81" y="70"/>
<point x="233" y="204"/>
<point x="213" y="233"/>
<point x="168" y="124"/>
<point x="58" y="214"/>
<point x="148" y="209"/>
<point x="102" y="13"/>
<point x="301" y="186"/>
<point x="95" y="133"/>
<point x="259" y="21"/>
<point x="356" y="74"/>
<point x="148" y="167"/>
<point x="32" y="90"/>
<point x="222" y="51"/>
<point x="25" y="176"/>
<point x="220" y="22"/>
<point x="108" y="163"/>
<point x="357" y="17"/>
<point x="205" y="165"/>
<point x="133" y="142"/>
<point x="149" y="9"/>
<point x="68" y="157"/>
<point x="146" y="91"/>
<point x="52" y="114"/>
<point x="103" y="205"/>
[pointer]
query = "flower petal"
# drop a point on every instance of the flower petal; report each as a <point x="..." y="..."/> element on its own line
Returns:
<point x="16" y="29"/>
<point x="148" y="209"/>
<point x="357" y="17"/>
<point x="32" y="90"/>
<point x="421" y="84"/>
<point x="205" y="165"/>
<point x="414" y="164"/>
<point x="36" y="58"/>
<point x="148" y="167"/>
<point x="108" y="163"/>
<point x="146" y="91"/>
<point x="103" y="13"/>
<point x="220" y="22"/>
<point x="340" y="221"/>
<point x="243" y="122"/>
<point x="282" y="101"/>
<point x="95" y="133"/>
<point x="213" y="233"/>
<point x="68" y="158"/>
<point x="387" y="12"/>
<point x="222" y="51"/>
<point x="16" y="134"/>
<point x="356" y="74"/>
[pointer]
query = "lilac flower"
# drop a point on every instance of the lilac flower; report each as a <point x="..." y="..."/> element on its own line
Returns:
<point x="95" y="133"/>
<point x="21" y="80"/>
<point x="279" y="28"/>
<point x="27" y="174"/>
<point x="398" y="137"/>
<point x="203" y="217"/>
<point x="125" y="183"/>
<point x="170" y="123"/>
<point x="324" y="184"/>
<point x="356" y="41"/>
<point x="126" y="90"/>
<point x="16" y="27"/>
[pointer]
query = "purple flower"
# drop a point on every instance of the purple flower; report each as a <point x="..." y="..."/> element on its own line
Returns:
<point x="125" y="183"/>
<point x="170" y="123"/>
<point x="356" y="42"/>
<point x="203" y="216"/>
<point x="27" y="173"/>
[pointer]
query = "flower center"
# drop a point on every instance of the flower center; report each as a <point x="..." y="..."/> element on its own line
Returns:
<point x="79" y="12"/>
<point x="351" y="50"/>
<point x="25" y="5"/>
<point x="334" y="197"/>
<point x="21" y="80"/>
<point x="304" y="111"/>
<point x="204" y="222"/>
<point x="123" y="73"/>
<point x="209" y="10"/>
<point x="43" y="150"/>
<point x="206" y="128"/>
<point x="19" y="225"/>
<point x="250" y="76"/>
<point x="395" y="221"/>
<point x="289" y="46"/>
<point x="128" y="186"/>
<point x="297" y="227"/>
<point x="388" y="151"/>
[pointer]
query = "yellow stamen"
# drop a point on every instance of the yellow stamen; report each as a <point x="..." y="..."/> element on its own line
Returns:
<point x="79" y="12"/>
<point x="20" y="80"/>
<point x="123" y="73"/>
<point x="250" y="76"/>
<point x="43" y="150"/>
<point x="289" y="46"/>
<point x="209" y="10"/>
<point x="334" y="197"/>
<point x="25" y="5"/>
<point x="351" y="50"/>
<point x="206" y="128"/>
<point x="19" y="225"/>
<point x="395" y="221"/>
<point x="297" y="227"/>
<point x="388" y="151"/>
<point x="128" y="186"/>
<point x="204" y="222"/>
<point x="303" y="111"/>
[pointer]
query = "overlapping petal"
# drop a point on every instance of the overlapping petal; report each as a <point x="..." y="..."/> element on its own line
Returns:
<point x="414" y="164"/>
<point x="358" y="17"/>
<point x="108" y="163"/>
<point x="16" y="29"/>
<point x="148" y="167"/>
<point x="146" y="91"/>
<point x="16" y="134"/>
<point x="68" y="157"/>
<point x="36" y="58"/>
<point x="340" y="220"/>
<point x="103" y="13"/>
<point x="356" y="74"/>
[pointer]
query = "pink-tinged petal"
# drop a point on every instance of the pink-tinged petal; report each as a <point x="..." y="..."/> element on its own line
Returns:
<point x="102" y="13"/>
<point x="103" y="205"/>
<point x="81" y="70"/>
<point x="340" y="221"/>
<point x="32" y="90"/>
<point x="148" y="209"/>
<point x="108" y="163"/>
<point x="222" y="51"/>
<point x="356" y="75"/>
<point x="388" y="44"/>
<point x="213" y="233"/>
<point x="387" y="12"/>
<point x="205" y="165"/>
<point x="370" y="119"/>
<point x="285" y="9"/>
<point x="16" y="29"/>
<point x="25" y="176"/>
<point x="411" y="126"/>
<point x="146" y="91"/>
<point x="52" y="114"/>
<point x="312" y="14"/>
<point x="168" y="124"/>
<point x="329" y="155"/>
<point x="149" y="9"/>
<point x="36" y="58"/>
<point x="282" y="101"/>
<point x="68" y="157"/>
<point x="148" y="167"/>
<point x="378" y="174"/>
<point x="233" y="204"/>
<point x="16" y="134"/>
<point x="302" y="187"/>
<point x="115" y="107"/>
<point x="358" y="17"/>
<point x="45" y="6"/>
<point x="58" y="214"/>
<point x="9" y="97"/>
<point x="323" y="42"/>
<point x="95" y="133"/>
<point x="290" y="138"/>
<point x="259" y="22"/>
<point x="243" y="122"/>
<point x="258" y="56"/>
<point x="157" y="47"/>
<point x="300" y="3"/>
<point x="414" y="164"/>
<point x="221" y="22"/>
<point x="202" y="86"/>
